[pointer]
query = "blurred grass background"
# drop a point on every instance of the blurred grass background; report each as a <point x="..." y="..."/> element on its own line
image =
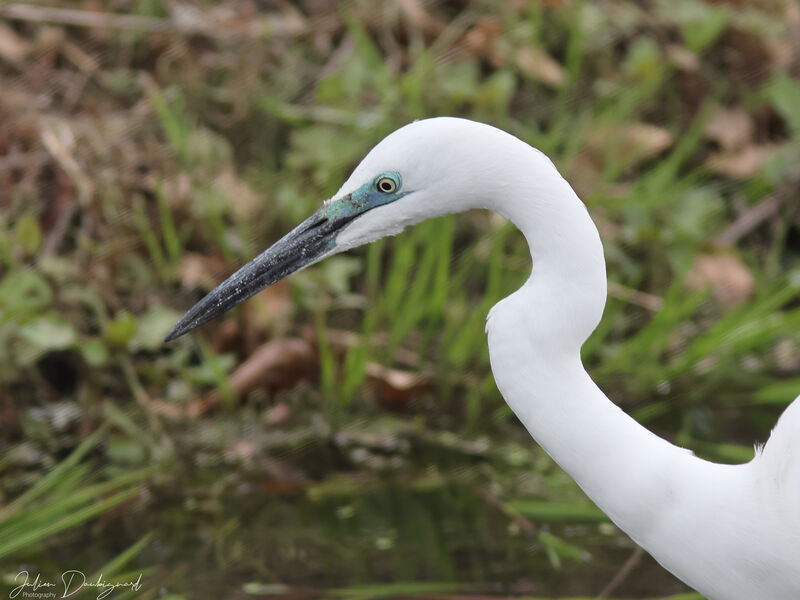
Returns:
<point x="340" y="434"/>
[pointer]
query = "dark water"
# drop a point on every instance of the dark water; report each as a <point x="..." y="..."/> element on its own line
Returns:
<point x="379" y="508"/>
<point x="389" y="538"/>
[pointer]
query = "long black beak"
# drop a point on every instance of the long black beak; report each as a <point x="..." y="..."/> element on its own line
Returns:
<point x="305" y="244"/>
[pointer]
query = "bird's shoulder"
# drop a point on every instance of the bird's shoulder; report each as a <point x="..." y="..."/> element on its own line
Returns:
<point x="778" y="461"/>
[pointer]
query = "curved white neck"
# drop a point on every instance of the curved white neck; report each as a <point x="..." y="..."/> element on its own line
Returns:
<point x="567" y="286"/>
<point x="535" y="336"/>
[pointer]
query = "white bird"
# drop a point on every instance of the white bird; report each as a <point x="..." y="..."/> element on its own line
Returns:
<point x="729" y="531"/>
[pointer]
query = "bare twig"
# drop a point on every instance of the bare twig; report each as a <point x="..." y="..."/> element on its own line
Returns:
<point x="184" y="19"/>
<point x="513" y="514"/>
<point x="752" y="218"/>
<point x="337" y="58"/>
<point x="85" y="18"/>
<point x="643" y="299"/>
<point x="622" y="574"/>
<point x="13" y="47"/>
<point x="59" y="140"/>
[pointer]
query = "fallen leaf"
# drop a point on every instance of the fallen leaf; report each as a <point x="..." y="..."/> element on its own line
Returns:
<point x="278" y="414"/>
<point x="49" y="40"/>
<point x="683" y="58"/>
<point x="75" y="54"/>
<point x="628" y="144"/>
<point x="241" y="451"/>
<point x="480" y="40"/>
<point x="395" y="387"/>
<point x="415" y="12"/>
<point x="200" y="271"/>
<point x="583" y="172"/>
<point x="741" y="164"/>
<point x="58" y="137"/>
<point x="276" y="364"/>
<point x="243" y="201"/>
<point x="283" y="478"/>
<point x="227" y="336"/>
<point x="272" y="304"/>
<point x="728" y="278"/>
<point x="786" y="355"/>
<point x="13" y="48"/>
<point x="178" y="190"/>
<point x="731" y="128"/>
<point x="538" y="65"/>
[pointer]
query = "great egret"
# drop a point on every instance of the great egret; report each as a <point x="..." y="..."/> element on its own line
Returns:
<point x="729" y="531"/>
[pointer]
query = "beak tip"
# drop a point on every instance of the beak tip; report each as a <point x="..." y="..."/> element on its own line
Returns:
<point x="305" y="244"/>
<point x="203" y="311"/>
<point x="185" y="325"/>
<point x="174" y="333"/>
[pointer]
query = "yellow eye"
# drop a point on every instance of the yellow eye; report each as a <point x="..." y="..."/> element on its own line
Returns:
<point x="387" y="185"/>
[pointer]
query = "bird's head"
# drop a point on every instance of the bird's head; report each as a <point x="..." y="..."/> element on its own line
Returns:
<point x="425" y="169"/>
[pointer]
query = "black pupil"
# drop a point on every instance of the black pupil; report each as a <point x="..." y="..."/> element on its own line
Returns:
<point x="386" y="186"/>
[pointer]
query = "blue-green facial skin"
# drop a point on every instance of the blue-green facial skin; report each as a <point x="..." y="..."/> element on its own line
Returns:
<point x="365" y="198"/>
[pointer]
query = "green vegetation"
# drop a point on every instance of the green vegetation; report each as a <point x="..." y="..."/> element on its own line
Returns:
<point x="342" y="431"/>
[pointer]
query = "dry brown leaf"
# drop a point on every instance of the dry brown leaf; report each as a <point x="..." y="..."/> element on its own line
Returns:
<point x="227" y="336"/>
<point x="480" y="40"/>
<point x="394" y="386"/>
<point x="728" y="278"/>
<point x="537" y="64"/>
<point x="584" y="172"/>
<point x="731" y="128"/>
<point x="276" y="364"/>
<point x="283" y="477"/>
<point x="49" y="40"/>
<point x="178" y="190"/>
<point x="75" y="54"/>
<point x="786" y="355"/>
<point x="415" y="11"/>
<point x="628" y="144"/>
<point x="243" y="201"/>
<point x="241" y="451"/>
<point x="684" y="59"/>
<point x="742" y="164"/>
<point x="641" y="141"/>
<point x="275" y="301"/>
<point x="278" y="414"/>
<point x="266" y="315"/>
<point x="16" y="100"/>
<point x="200" y="270"/>
<point x="13" y="48"/>
<point x="59" y="139"/>
<point x="784" y="52"/>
